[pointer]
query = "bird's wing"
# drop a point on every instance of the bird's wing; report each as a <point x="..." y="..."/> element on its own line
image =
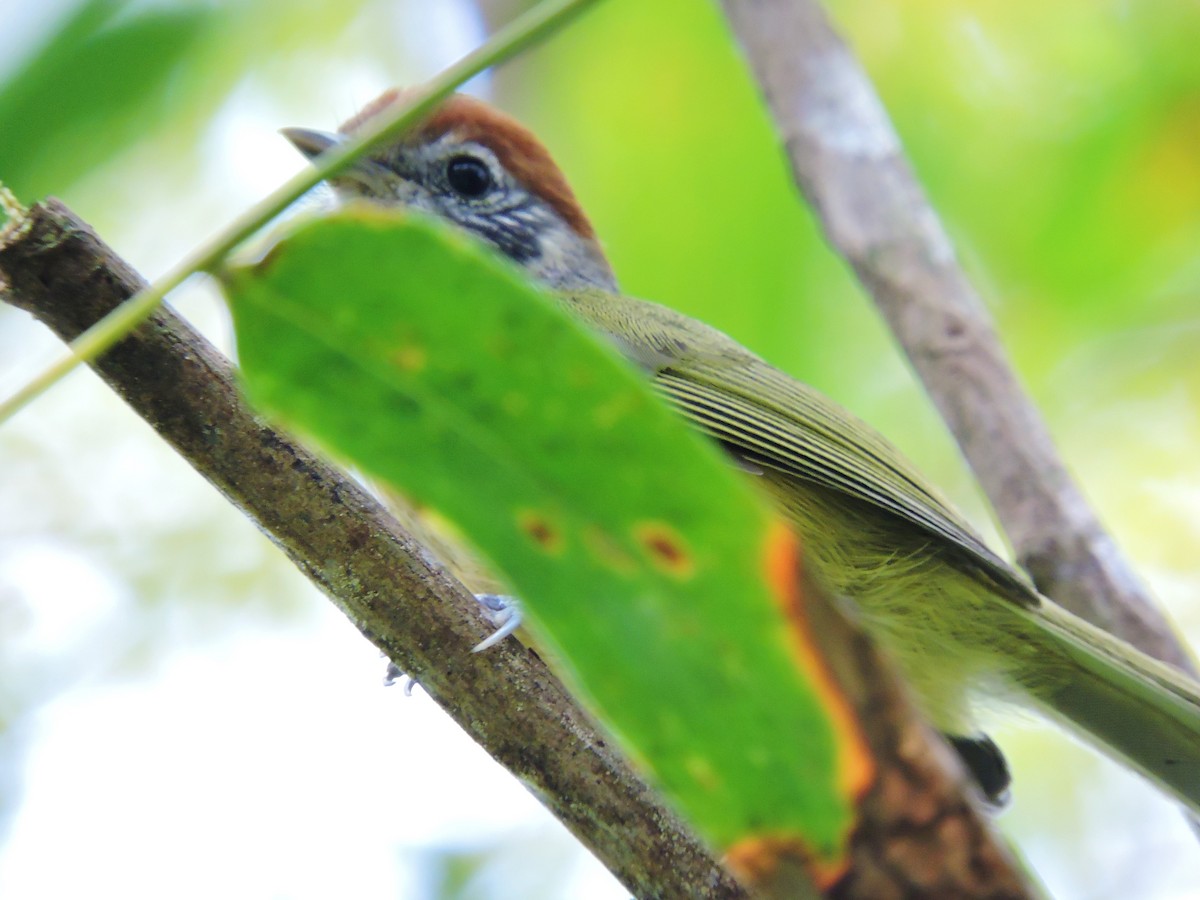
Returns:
<point x="770" y="419"/>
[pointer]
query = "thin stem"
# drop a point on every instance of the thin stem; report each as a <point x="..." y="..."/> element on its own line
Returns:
<point x="533" y="26"/>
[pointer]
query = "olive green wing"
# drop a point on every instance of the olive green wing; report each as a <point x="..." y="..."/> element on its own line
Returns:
<point x="770" y="419"/>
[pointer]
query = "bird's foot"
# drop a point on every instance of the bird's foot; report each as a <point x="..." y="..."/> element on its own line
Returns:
<point x="504" y="611"/>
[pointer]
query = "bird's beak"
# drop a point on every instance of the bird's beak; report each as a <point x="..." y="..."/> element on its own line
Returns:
<point x="365" y="178"/>
<point x="311" y="143"/>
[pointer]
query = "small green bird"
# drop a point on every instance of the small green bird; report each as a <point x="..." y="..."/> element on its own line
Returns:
<point x="959" y="619"/>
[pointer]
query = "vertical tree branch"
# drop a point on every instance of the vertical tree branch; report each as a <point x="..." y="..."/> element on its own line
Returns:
<point x="848" y="162"/>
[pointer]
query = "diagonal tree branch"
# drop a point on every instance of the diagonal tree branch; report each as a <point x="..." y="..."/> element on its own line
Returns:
<point x="918" y="832"/>
<point x="849" y="164"/>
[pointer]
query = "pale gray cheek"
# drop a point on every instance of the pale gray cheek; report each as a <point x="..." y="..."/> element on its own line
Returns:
<point x="566" y="263"/>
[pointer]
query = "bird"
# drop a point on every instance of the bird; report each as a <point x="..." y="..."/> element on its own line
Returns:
<point x="961" y="622"/>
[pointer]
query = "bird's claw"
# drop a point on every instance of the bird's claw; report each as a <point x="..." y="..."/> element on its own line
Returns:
<point x="394" y="674"/>
<point x="504" y="611"/>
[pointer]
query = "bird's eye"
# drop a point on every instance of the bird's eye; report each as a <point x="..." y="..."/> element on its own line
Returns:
<point x="468" y="176"/>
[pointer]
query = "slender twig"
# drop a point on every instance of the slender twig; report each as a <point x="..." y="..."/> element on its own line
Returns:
<point x="538" y="23"/>
<point x="848" y="161"/>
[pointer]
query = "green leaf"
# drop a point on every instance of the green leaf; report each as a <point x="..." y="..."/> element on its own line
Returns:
<point x="645" y="561"/>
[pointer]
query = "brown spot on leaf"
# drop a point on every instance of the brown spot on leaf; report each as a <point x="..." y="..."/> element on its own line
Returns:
<point x="666" y="548"/>
<point x="544" y="532"/>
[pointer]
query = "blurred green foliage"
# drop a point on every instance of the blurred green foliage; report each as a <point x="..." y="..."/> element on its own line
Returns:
<point x="81" y="98"/>
<point x="112" y="75"/>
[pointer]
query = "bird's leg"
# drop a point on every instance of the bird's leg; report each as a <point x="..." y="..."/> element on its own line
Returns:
<point x="502" y="610"/>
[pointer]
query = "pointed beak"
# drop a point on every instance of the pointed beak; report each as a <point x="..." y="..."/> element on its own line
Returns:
<point x="365" y="178"/>
<point x="311" y="143"/>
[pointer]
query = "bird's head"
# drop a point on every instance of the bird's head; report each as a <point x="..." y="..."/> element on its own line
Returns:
<point x="482" y="171"/>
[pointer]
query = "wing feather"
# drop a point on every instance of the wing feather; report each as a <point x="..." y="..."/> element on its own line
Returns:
<point x="771" y="420"/>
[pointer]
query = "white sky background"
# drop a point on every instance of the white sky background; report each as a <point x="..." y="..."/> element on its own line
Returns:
<point x="219" y="729"/>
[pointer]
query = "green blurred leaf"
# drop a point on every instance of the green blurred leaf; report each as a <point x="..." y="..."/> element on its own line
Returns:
<point x="644" y="560"/>
<point x="91" y="90"/>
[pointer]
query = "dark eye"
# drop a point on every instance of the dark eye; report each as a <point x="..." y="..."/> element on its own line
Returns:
<point x="468" y="176"/>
